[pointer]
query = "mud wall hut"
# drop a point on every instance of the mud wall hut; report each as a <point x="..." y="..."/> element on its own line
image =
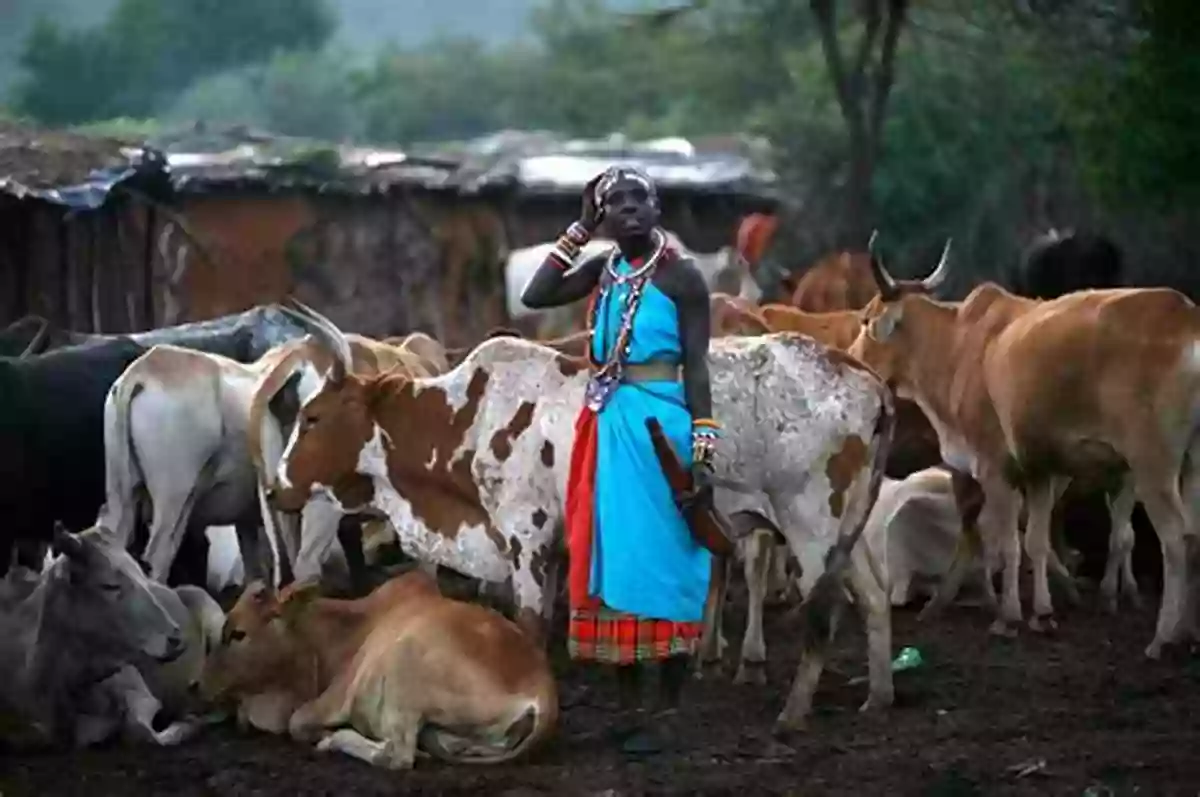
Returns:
<point x="78" y="216"/>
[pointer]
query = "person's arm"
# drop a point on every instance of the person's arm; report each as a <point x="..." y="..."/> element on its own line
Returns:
<point x="688" y="290"/>
<point x="552" y="285"/>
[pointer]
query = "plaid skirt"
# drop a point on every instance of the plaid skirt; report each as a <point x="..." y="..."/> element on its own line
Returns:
<point x="611" y="637"/>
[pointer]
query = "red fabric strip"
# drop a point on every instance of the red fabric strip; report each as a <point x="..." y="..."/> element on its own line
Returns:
<point x="581" y="491"/>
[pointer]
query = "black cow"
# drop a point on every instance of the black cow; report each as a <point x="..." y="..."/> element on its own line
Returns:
<point x="1059" y="263"/>
<point x="52" y="417"/>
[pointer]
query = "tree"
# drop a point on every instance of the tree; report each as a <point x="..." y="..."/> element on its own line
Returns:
<point x="147" y="51"/>
<point x="862" y="87"/>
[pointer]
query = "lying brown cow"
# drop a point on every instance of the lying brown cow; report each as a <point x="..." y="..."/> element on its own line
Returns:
<point x="378" y="677"/>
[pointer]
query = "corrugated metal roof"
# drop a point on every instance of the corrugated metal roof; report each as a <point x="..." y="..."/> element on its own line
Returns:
<point x="69" y="169"/>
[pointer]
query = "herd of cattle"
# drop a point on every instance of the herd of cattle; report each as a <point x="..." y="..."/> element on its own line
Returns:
<point x="296" y="434"/>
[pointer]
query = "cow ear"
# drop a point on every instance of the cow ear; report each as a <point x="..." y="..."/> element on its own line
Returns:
<point x="295" y="598"/>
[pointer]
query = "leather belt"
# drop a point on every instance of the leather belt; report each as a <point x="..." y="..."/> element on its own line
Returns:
<point x="651" y="372"/>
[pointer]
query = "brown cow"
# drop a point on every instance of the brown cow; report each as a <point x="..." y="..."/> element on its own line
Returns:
<point x="378" y="677"/>
<point x="840" y="281"/>
<point x="1027" y="395"/>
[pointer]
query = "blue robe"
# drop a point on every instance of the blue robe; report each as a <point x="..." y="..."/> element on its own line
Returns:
<point x="644" y="559"/>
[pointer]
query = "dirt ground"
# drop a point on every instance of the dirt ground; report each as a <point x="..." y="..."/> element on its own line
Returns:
<point x="1080" y="713"/>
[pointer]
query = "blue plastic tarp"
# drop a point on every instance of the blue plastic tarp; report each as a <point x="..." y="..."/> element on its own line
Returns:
<point x="90" y="194"/>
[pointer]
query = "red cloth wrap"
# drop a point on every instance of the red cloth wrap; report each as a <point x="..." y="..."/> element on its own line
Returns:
<point x="581" y="491"/>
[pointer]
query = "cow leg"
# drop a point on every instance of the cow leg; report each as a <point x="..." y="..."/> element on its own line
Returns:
<point x="781" y="587"/>
<point x="756" y="566"/>
<point x="1039" y="501"/>
<point x="141" y="707"/>
<point x="328" y="710"/>
<point x="871" y="598"/>
<point x="712" y="641"/>
<point x="530" y="579"/>
<point x="172" y="508"/>
<point x="823" y="608"/>
<point x="251" y="550"/>
<point x="350" y="536"/>
<point x="1005" y="502"/>
<point x="969" y="498"/>
<point x="1120" y="547"/>
<point x="190" y="565"/>
<point x="1165" y="507"/>
<point x="396" y="751"/>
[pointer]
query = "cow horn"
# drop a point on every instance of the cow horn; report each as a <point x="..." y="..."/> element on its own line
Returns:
<point x="35" y="345"/>
<point x="934" y="280"/>
<point x="64" y="542"/>
<point x="327" y="332"/>
<point x="887" y="285"/>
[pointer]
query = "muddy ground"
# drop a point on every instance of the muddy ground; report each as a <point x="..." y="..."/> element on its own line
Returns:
<point x="1078" y="714"/>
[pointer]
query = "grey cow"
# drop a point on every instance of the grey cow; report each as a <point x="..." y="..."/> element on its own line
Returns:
<point x="71" y="644"/>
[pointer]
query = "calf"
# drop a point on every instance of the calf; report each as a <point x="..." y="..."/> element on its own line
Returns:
<point x="471" y="467"/>
<point x="914" y="529"/>
<point x="377" y="678"/>
<point x="1026" y="395"/>
<point x="74" y="640"/>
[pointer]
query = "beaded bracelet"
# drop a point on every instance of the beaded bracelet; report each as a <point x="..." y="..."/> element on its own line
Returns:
<point x="569" y="244"/>
<point x="699" y="424"/>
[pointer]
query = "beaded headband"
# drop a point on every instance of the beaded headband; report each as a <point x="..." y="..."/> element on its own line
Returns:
<point x="616" y="173"/>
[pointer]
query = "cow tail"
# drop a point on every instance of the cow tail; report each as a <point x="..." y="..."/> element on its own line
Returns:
<point x="123" y="474"/>
<point x="827" y="593"/>
<point x="535" y="723"/>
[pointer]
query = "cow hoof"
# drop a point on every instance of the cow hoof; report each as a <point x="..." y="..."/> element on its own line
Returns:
<point x="708" y="670"/>
<point x="176" y="733"/>
<point x="785" y="726"/>
<point x="1002" y="629"/>
<point x="930" y="610"/>
<point x="751" y="672"/>
<point x="1042" y="623"/>
<point x="1154" y="650"/>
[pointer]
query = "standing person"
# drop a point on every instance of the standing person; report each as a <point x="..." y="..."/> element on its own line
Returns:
<point x="637" y="578"/>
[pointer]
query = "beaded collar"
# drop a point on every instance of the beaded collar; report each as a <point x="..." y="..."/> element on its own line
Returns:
<point x="608" y="375"/>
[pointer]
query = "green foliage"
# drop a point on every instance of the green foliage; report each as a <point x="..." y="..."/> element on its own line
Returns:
<point x="1136" y="118"/>
<point x="298" y="93"/>
<point x="147" y="50"/>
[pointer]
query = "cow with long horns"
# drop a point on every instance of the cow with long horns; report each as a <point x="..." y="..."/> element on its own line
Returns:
<point x="1027" y="395"/>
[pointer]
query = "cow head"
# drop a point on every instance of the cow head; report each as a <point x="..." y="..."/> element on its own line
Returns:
<point x="255" y="648"/>
<point x="102" y="603"/>
<point x="884" y="337"/>
<point x="332" y="430"/>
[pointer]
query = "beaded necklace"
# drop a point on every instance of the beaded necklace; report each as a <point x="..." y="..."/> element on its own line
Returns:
<point x="604" y="382"/>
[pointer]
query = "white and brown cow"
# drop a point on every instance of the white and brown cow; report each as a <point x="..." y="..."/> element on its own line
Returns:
<point x="471" y="468"/>
<point x="179" y="428"/>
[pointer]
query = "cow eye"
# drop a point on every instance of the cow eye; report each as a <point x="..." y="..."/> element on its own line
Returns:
<point x="111" y="587"/>
<point x="311" y="420"/>
<point x="237" y="635"/>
